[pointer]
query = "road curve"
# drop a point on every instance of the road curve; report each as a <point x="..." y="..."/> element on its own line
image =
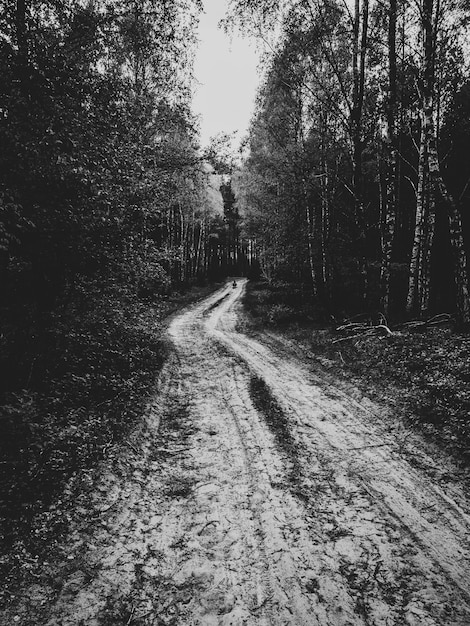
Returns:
<point x="393" y="541"/>
<point x="209" y="517"/>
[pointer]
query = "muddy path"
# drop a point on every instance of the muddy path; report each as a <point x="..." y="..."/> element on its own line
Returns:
<point x="257" y="492"/>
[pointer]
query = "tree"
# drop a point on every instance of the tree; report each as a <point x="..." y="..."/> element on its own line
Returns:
<point x="357" y="177"/>
<point x="431" y="185"/>
<point x="390" y="160"/>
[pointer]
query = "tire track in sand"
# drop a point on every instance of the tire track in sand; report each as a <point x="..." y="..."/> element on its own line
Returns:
<point x="195" y="521"/>
<point x="401" y="543"/>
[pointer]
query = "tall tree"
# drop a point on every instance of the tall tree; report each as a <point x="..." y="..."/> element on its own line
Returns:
<point x="431" y="186"/>
<point x="360" y="193"/>
<point x="390" y="159"/>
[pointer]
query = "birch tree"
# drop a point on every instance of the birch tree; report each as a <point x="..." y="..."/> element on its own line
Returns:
<point x="390" y="158"/>
<point x="431" y="186"/>
<point x="362" y="193"/>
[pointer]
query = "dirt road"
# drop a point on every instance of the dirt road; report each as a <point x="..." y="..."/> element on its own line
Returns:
<point x="258" y="492"/>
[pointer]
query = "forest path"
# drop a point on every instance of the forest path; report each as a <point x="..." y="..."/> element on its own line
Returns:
<point x="258" y="492"/>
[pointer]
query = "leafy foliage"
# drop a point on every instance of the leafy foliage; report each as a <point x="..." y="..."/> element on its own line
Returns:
<point x="102" y="220"/>
<point x="318" y="190"/>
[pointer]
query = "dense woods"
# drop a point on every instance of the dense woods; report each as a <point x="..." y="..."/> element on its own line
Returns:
<point x="355" y="184"/>
<point x="107" y="208"/>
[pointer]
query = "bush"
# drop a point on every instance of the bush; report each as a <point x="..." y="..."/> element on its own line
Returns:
<point x="85" y="391"/>
<point x="87" y="374"/>
<point x="279" y="314"/>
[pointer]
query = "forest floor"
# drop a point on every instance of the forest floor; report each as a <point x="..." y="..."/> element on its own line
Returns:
<point x="421" y="372"/>
<point x="262" y="487"/>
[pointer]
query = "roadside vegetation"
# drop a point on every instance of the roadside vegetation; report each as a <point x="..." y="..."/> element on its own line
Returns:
<point x="424" y="373"/>
<point x="111" y="218"/>
<point x="89" y="383"/>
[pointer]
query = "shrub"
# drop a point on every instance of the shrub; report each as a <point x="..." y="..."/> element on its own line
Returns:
<point x="279" y="314"/>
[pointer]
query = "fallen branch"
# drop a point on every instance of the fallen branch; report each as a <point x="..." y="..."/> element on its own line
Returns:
<point x="362" y="330"/>
<point x="357" y="330"/>
<point x="206" y="525"/>
<point x="442" y="318"/>
<point x="351" y="326"/>
<point x="373" y="445"/>
<point x="435" y="320"/>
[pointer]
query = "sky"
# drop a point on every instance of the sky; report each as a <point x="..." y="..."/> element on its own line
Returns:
<point x="226" y="69"/>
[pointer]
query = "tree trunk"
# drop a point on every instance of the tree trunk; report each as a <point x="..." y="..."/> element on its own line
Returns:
<point x="21" y="29"/>
<point x="412" y="299"/>
<point x="360" y="36"/>
<point x="325" y="210"/>
<point x="181" y="245"/>
<point x="456" y="238"/>
<point x="390" y="173"/>
<point x="424" y="269"/>
<point x="22" y="55"/>
<point x="430" y="183"/>
<point x="419" y="277"/>
<point x="310" y="236"/>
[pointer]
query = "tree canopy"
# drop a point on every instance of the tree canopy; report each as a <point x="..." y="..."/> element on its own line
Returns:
<point x="349" y="150"/>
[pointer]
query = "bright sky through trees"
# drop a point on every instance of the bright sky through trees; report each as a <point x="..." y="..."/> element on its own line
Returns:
<point x="226" y="71"/>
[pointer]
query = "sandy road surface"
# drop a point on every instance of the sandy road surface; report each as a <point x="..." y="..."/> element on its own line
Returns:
<point x="210" y="517"/>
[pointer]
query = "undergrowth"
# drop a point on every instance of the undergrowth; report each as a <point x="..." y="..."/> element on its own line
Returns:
<point x="426" y="375"/>
<point x="282" y="304"/>
<point x="79" y="381"/>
